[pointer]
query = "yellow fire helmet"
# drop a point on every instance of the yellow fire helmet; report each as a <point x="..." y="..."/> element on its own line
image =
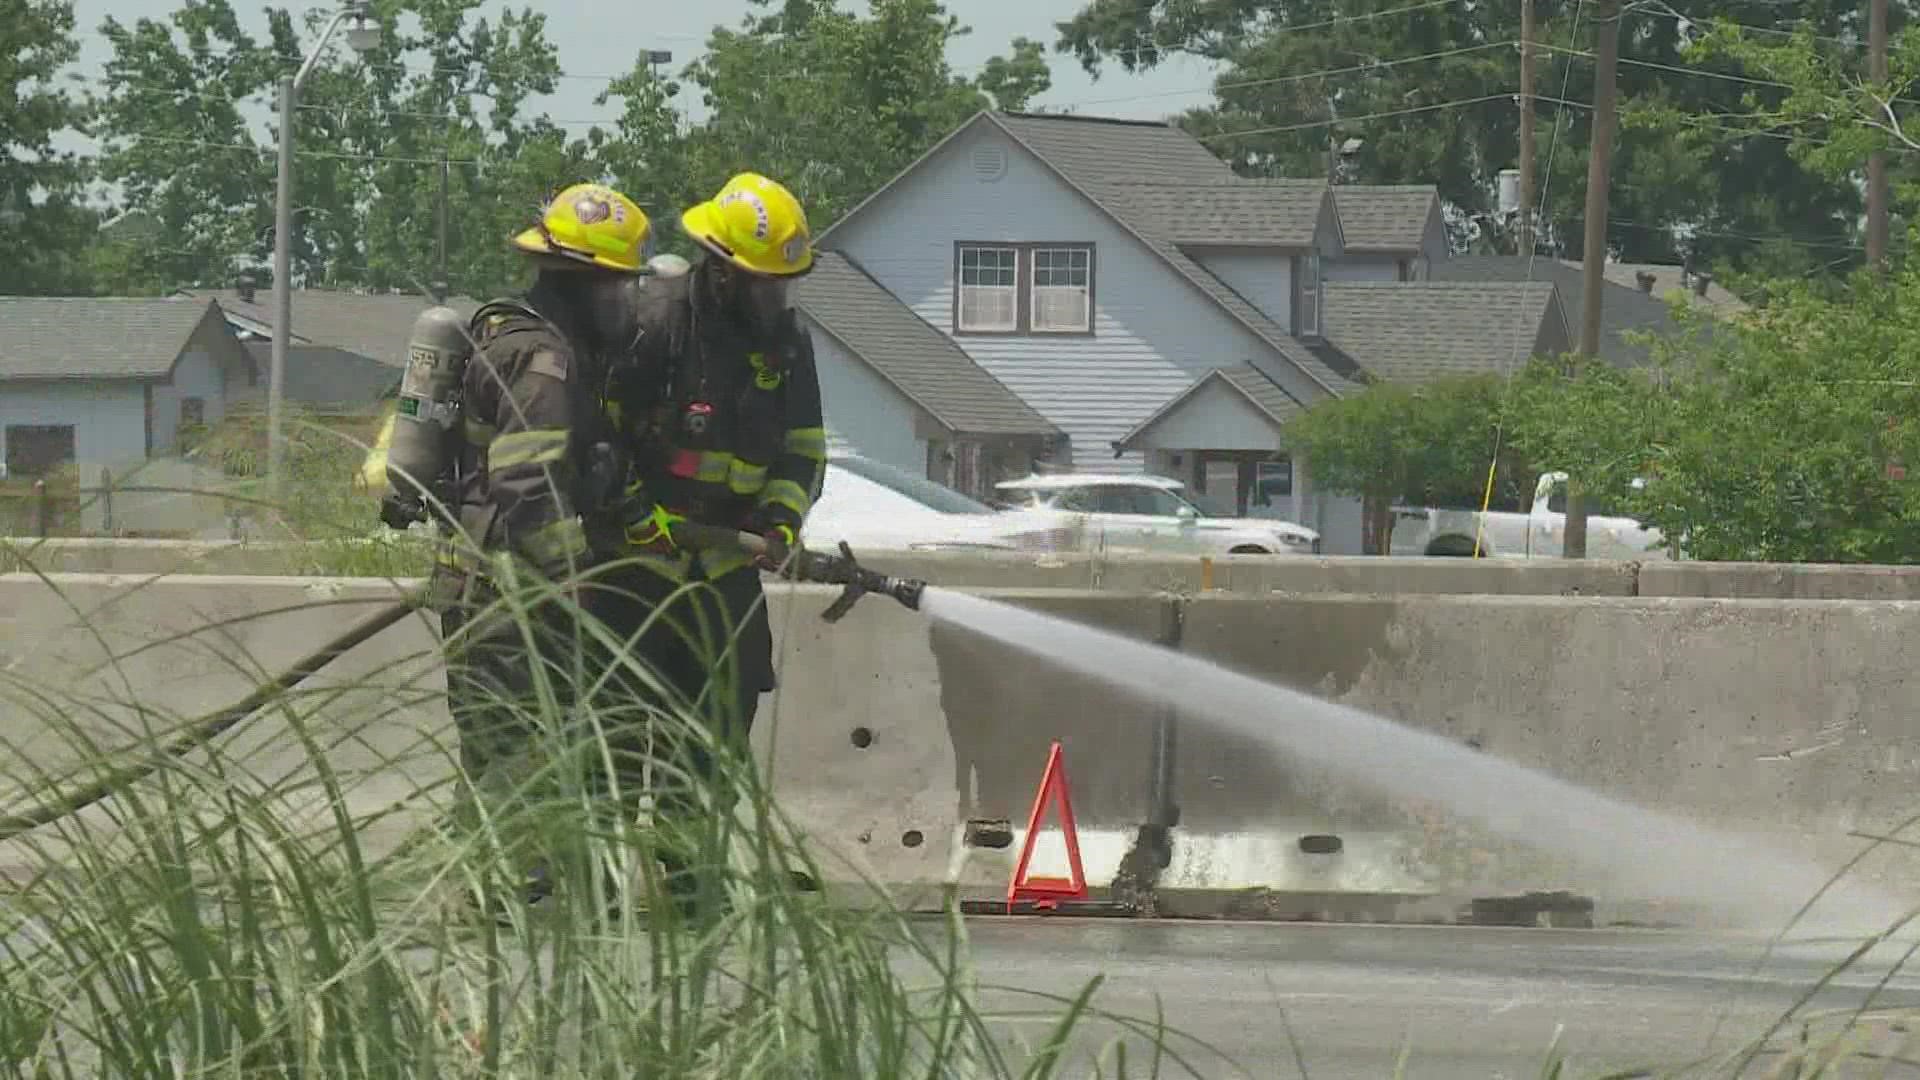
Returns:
<point x="592" y="224"/>
<point x="756" y="224"/>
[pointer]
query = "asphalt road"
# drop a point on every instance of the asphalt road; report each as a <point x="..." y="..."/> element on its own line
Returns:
<point x="1479" y="1003"/>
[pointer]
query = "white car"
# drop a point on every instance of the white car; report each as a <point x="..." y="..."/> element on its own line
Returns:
<point x="1540" y="533"/>
<point x="1149" y="513"/>
<point x="877" y="507"/>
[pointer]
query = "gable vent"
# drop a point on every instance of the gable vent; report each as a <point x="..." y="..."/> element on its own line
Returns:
<point x="989" y="163"/>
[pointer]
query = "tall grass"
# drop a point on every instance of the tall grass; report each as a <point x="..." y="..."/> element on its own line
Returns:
<point x="250" y="909"/>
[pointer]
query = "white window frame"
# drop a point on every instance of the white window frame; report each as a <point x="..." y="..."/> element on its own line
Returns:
<point x="962" y="290"/>
<point x="1078" y="258"/>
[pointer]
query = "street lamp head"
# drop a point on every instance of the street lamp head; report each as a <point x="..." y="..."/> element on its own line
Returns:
<point x="362" y="37"/>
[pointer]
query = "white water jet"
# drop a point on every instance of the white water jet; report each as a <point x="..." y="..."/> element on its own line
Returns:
<point x="1656" y="854"/>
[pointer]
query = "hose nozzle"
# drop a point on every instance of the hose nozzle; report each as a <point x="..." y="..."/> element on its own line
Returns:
<point x="818" y="567"/>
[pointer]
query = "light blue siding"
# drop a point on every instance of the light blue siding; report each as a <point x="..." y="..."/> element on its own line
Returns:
<point x="196" y="375"/>
<point x="1264" y="276"/>
<point x="1434" y="246"/>
<point x="109" y="419"/>
<point x="870" y="416"/>
<point x="1154" y="332"/>
<point x="1216" y="417"/>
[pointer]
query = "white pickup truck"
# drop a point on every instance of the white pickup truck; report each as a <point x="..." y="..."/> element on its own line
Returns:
<point x="1540" y="533"/>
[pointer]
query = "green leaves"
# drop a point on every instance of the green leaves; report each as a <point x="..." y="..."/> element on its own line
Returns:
<point x="1432" y="90"/>
<point x="41" y="219"/>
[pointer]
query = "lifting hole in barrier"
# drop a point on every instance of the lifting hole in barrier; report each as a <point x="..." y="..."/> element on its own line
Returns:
<point x="912" y="838"/>
<point x="1321" y="844"/>
<point x="862" y="737"/>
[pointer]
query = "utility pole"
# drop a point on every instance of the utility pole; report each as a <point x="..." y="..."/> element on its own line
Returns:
<point x="1606" y="61"/>
<point x="1877" y="227"/>
<point x="442" y="287"/>
<point x="1527" y="245"/>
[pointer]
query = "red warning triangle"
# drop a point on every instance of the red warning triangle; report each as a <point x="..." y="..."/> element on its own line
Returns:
<point x="1047" y="892"/>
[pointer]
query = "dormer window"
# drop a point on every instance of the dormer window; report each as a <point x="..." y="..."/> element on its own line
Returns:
<point x="1023" y="288"/>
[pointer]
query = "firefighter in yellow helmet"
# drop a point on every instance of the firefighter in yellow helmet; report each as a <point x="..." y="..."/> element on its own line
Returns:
<point x="525" y="470"/>
<point x="722" y="406"/>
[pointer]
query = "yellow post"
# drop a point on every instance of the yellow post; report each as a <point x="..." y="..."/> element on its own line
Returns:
<point x="1206" y="573"/>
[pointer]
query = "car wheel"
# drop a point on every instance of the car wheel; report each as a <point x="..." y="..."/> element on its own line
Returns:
<point x="1457" y="547"/>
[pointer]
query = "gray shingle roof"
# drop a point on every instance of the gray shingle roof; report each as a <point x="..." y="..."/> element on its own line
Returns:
<point x="1380" y="218"/>
<point x="1103" y="157"/>
<point x="374" y="325"/>
<point x="1284" y="213"/>
<point x="1419" y="330"/>
<point x="327" y="378"/>
<point x="94" y="337"/>
<point x="1266" y="395"/>
<point x="923" y="362"/>
<point x="1097" y="150"/>
<point x="1622" y="308"/>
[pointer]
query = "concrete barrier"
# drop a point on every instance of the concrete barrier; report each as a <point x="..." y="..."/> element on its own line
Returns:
<point x="1780" y="581"/>
<point x="1124" y="573"/>
<point x="1788" y="720"/>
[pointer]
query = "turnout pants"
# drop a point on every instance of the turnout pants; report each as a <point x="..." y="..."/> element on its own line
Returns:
<point x="685" y="659"/>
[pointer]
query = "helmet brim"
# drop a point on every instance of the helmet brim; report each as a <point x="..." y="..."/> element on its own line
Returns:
<point x="534" y="242"/>
<point x="702" y="223"/>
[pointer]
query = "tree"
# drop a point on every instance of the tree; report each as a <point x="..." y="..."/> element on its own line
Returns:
<point x="1596" y="422"/>
<point x="834" y="104"/>
<point x="1785" y="437"/>
<point x="455" y="91"/>
<point x="1824" y="105"/>
<point x="1425" y="444"/>
<point x="174" y="140"/>
<point x="1430" y="91"/>
<point x="42" y="216"/>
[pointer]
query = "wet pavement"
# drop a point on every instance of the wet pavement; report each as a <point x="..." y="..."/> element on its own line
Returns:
<point x="1468" y="1002"/>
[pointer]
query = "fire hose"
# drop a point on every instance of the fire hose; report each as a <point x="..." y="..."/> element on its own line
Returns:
<point x="801" y="565"/>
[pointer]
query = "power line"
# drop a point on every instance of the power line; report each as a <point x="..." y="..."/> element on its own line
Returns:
<point x="265" y="150"/>
<point x="1311" y="124"/>
<point x="526" y="67"/>
<point x="1701" y="72"/>
<point x="1378" y="65"/>
<point x="178" y="94"/>
<point x="1753" y="238"/>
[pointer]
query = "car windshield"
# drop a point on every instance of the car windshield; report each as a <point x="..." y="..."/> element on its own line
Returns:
<point x="1131" y="499"/>
<point x="919" y="489"/>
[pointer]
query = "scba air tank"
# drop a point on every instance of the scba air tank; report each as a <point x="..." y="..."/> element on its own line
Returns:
<point x="425" y="423"/>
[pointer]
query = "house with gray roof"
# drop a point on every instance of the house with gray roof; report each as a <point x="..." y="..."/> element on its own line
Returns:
<point x="1418" y="331"/>
<point x="1162" y="312"/>
<point x="898" y="390"/>
<point x="345" y="349"/>
<point x="1625" y="310"/>
<point x="111" y="382"/>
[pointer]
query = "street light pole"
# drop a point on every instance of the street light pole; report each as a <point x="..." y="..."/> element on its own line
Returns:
<point x="362" y="38"/>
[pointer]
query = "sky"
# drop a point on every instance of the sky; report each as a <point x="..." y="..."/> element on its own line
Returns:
<point x="590" y="54"/>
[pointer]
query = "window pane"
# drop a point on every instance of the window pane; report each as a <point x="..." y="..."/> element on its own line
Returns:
<point x="988" y="307"/>
<point x="1061" y="301"/>
<point x="987" y="266"/>
<point x="1060" y="307"/>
